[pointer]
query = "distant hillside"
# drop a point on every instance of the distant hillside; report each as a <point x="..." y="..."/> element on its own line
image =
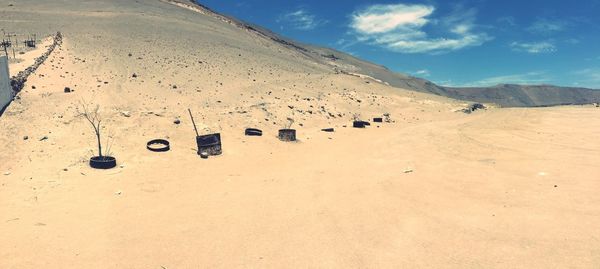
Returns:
<point x="506" y="95"/>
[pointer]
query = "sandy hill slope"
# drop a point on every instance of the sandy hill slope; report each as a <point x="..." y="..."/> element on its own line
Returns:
<point x="434" y="188"/>
<point x="504" y="95"/>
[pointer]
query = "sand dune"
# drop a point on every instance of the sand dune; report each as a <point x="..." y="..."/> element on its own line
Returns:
<point x="435" y="188"/>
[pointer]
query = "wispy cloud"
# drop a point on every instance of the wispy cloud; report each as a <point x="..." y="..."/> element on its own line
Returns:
<point x="422" y="73"/>
<point x="508" y="20"/>
<point x="547" y="26"/>
<point x="530" y="78"/>
<point x="400" y="27"/>
<point x="588" y="76"/>
<point x="534" y="47"/>
<point x="301" y="19"/>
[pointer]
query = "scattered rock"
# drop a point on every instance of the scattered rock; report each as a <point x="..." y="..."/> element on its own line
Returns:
<point x="25" y="137"/>
<point x="174" y="86"/>
<point x="126" y="114"/>
<point x="118" y="192"/>
<point x="134" y="75"/>
<point x="7" y="173"/>
<point x="68" y="90"/>
<point x="177" y="121"/>
<point x="33" y="87"/>
<point x="473" y="107"/>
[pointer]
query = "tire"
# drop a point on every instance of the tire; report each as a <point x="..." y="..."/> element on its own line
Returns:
<point x="253" y="132"/>
<point x="287" y="135"/>
<point x="359" y="124"/>
<point x="103" y="162"/>
<point x="151" y="146"/>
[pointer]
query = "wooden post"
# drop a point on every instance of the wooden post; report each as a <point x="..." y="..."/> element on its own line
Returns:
<point x="4" y="45"/>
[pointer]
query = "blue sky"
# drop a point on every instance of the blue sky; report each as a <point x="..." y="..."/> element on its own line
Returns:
<point x="453" y="43"/>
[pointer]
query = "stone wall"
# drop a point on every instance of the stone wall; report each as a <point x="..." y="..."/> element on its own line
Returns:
<point x="18" y="82"/>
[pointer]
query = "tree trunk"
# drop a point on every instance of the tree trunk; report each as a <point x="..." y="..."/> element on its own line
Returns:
<point x="99" y="142"/>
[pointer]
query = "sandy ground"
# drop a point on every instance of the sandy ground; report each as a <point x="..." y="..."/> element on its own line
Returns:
<point x="502" y="188"/>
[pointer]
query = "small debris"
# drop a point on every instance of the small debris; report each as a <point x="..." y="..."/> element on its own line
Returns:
<point x="408" y="171"/>
<point x="177" y="121"/>
<point x="68" y="90"/>
<point x="25" y="137"/>
<point x="44" y="138"/>
<point x="7" y="173"/>
<point x="126" y="114"/>
<point x="473" y="107"/>
<point x="118" y="192"/>
<point x="134" y="75"/>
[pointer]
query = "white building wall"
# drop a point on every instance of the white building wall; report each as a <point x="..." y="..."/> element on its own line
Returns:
<point x="6" y="93"/>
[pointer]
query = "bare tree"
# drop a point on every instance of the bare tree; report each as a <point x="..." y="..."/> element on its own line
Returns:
<point x="93" y="117"/>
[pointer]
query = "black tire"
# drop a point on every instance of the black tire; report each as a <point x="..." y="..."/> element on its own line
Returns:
<point x="253" y="132"/>
<point x="163" y="145"/>
<point x="103" y="162"/>
<point x="359" y="124"/>
<point x="288" y="135"/>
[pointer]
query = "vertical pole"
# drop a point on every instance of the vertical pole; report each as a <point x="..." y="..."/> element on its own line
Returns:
<point x="13" y="47"/>
<point x="193" y="122"/>
<point x="4" y="44"/>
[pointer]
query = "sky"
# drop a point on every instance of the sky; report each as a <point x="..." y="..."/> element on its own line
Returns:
<point x="452" y="43"/>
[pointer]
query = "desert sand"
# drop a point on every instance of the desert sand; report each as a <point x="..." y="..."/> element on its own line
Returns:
<point x="435" y="188"/>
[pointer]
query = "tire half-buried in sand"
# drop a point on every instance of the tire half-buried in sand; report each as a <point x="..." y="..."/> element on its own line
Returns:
<point x="103" y="162"/>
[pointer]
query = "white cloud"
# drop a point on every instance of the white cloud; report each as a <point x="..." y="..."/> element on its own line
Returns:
<point x="301" y="19"/>
<point x="422" y="73"/>
<point x="530" y="78"/>
<point x="534" y="47"/>
<point x="400" y="28"/>
<point x="546" y="26"/>
<point x="385" y="18"/>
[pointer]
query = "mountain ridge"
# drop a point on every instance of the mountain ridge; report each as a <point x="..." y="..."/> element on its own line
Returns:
<point x="504" y="95"/>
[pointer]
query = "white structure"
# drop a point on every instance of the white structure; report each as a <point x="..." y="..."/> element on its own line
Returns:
<point x="6" y="93"/>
